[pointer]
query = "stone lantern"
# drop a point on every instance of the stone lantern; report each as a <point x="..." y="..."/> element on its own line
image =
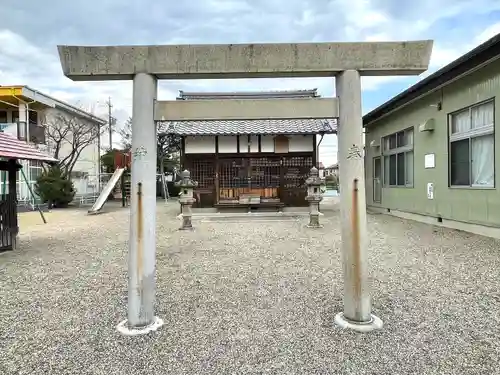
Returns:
<point x="314" y="184"/>
<point x="187" y="199"/>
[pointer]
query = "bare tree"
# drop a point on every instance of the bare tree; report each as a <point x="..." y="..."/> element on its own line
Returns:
<point x="167" y="145"/>
<point x="67" y="136"/>
<point x="126" y="134"/>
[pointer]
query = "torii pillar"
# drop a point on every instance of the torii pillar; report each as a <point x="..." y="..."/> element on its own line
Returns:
<point x="145" y="64"/>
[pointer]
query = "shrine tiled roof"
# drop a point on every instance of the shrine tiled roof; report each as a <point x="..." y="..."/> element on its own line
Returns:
<point x="253" y="127"/>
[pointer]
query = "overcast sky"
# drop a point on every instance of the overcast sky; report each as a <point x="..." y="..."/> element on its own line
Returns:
<point x="31" y="29"/>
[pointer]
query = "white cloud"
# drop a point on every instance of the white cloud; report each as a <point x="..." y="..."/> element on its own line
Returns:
<point x="488" y="33"/>
<point x="28" y="53"/>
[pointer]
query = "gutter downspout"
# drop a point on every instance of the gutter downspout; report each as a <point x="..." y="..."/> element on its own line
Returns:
<point x="321" y="139"/>
<point x="317" y="148"/>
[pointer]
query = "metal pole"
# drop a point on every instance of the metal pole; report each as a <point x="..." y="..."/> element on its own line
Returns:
<point x="357" y="305"/>
<point x="142" y="242"/>
<point x="110" y="123"/>
<point x="99" y="158"/>
<point x="165" y="188"/>
<point x="4" y="181"/>
<point x="122" y="187"/>
<point x="33" y="197"/>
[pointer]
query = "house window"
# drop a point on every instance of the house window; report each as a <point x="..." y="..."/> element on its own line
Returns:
<point x="3" y="117"/>
<point x="398" y="159"/>
<point x="36" y="169"/>
<point x="33" y="117"/>
<point x="472" y="146"/>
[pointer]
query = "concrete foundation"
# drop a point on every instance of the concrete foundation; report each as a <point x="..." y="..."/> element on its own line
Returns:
<point x="268" y="60"/>
<point x="481" y="230"/>
<point x="201" y="215"/>
<point x="244" y="211"/>
<point x="126" y="330"/>
<point x="373" y="324"/>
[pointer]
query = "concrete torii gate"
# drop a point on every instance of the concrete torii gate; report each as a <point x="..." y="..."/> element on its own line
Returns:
<point x="146" y="64"/>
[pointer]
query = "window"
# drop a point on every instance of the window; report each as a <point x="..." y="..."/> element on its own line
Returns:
<point x="472" y="146"/>
<point x="78" y="174"/>
<point x="36" y="170"/>
<point x="33" y="117"/>
<point x="398" y="158"/>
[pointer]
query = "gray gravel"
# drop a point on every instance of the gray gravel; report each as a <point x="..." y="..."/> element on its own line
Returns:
<point x="249" y="298"/>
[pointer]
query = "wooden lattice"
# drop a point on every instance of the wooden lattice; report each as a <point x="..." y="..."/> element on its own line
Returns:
<point x="203" y="171"/>
<point x="296" y="170"/>
<point x="253" y="176"/>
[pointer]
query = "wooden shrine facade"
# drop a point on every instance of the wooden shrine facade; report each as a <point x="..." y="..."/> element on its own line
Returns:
<point x="263" y="177"/>
<point x="260" y="161"/>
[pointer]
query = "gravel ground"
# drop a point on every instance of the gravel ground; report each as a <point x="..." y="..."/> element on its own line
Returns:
<point x="248" y="298"/>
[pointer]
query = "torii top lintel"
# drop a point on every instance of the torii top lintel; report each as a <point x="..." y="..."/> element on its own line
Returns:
<point x="216" y="61"/>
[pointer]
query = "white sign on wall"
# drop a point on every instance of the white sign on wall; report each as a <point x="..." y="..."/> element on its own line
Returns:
<point x="430" y="161"/>
<point x="430" y="190"/>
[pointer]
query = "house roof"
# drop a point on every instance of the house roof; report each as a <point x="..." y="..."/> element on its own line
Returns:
<point x="14" y="94"/>
<point x="239" y="127"/>
<point x="479" y="56"/>
<point x="13" y="148"/>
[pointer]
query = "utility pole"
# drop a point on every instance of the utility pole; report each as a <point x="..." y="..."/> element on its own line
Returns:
<point x="110" y="124"/>
<point x="99" y="158"/>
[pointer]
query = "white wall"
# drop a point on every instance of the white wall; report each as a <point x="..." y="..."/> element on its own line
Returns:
<point x="299" y="143"/>
<point x="267" y="143"/>
<point x="200" y="145"/>
<point x="254" y="143"/>
<point x="228" y="144"/>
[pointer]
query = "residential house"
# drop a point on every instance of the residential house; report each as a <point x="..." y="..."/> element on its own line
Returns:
<point x="25" y="113"/>
<point x="332" y="170"/>
<point x="432" y="152"/>
<point x="321" y="169"/>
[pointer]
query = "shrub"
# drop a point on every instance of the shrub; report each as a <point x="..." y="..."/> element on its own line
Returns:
<point x="54" y="188"/>
<point x="173" y="190"/>
<point x="332" y="182"/>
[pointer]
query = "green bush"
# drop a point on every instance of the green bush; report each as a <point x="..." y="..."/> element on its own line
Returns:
<point x="173" y="190"/>
<point x="332" y="182"/>
<point x="54" y="188"/>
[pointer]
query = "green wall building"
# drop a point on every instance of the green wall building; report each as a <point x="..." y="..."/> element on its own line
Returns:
<point x="433" y="151"/>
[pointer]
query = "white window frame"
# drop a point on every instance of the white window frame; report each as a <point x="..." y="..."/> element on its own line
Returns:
<point x="387" y="152"/>
<point x="488" y="129"/>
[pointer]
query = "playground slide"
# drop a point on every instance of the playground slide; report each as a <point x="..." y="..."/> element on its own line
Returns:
<point x="106" y="191"/>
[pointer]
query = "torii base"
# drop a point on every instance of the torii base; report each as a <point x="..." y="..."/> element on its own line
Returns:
<point x="125" y="330"/>
<point x="372" y="325"/>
